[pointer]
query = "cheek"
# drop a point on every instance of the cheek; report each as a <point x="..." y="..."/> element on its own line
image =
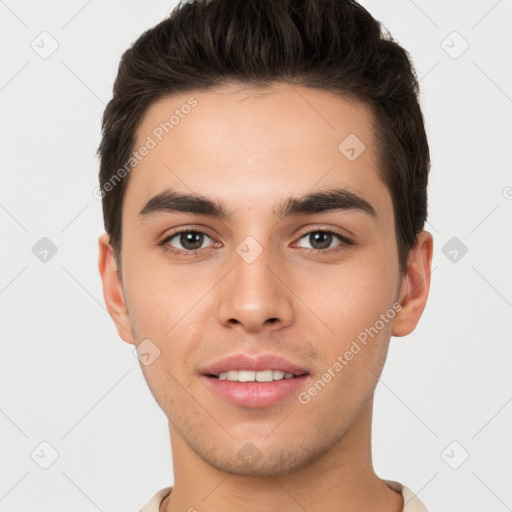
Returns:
<point x="370" y="295"/>
<point x="356" y="301"/>
<point x="158" y="296"/>
<point x="356" y="293"/>
<point x="167" y="307"/>
<point x="359" y="312"/>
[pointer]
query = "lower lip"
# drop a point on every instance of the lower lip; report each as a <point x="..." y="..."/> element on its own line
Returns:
<point x="255" y="394"/>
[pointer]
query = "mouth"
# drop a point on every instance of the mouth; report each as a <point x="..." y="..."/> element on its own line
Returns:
<point x="256" y="376"/>
<point x="254" y="382"/>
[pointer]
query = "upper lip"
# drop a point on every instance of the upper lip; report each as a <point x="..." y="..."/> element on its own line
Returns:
<point x="251" y="363"/>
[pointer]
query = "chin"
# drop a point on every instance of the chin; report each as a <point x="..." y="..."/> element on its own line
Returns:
<point x="249" y="460"/>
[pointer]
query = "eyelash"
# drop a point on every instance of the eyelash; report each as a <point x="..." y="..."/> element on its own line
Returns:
<point x="344" y="242"/>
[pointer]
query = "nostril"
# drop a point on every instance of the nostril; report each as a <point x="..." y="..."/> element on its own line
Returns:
<point x="268" y="321"/>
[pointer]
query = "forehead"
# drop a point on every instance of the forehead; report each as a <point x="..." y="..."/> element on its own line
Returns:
<point x="261" y="143"/>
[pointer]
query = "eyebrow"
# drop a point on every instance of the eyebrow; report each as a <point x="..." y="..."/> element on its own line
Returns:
<point x="171" y="201"/>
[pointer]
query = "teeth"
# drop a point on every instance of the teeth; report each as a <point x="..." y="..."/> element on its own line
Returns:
<point x="250" y="376"/>
<point x="245" y="376"/>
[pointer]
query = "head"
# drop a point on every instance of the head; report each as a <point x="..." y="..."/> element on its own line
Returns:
<point x="288" y="133"/>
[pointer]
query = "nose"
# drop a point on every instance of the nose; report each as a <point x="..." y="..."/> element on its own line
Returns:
<point x="254" y="296"/>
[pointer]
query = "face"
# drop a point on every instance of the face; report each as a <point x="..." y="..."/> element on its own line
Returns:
<point x="290" y="253"/>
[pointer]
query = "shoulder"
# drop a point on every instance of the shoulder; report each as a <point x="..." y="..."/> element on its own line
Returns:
<point x="153" y="505"/>
<point x="411" y="502"/>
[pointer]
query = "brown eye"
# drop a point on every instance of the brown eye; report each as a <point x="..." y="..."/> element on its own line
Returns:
<point x="322" y="240"/>
<point x="187" y="240"/>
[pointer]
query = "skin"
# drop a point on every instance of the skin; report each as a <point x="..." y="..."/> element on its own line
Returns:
<point x="251" y="150"/>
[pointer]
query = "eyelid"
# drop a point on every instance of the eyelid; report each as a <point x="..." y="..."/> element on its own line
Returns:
<point x="345" y="241"/>
<point x="182" y="230"/>
<point x="327" y="230"/>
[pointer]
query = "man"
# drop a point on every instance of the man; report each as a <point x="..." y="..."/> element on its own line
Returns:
<point x="264" y="169"/>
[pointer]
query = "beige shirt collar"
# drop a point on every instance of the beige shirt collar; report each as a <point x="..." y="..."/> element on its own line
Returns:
<point x="411" y="502"/>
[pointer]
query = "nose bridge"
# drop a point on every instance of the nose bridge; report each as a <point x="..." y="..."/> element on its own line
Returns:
<point x="252" y="295"/>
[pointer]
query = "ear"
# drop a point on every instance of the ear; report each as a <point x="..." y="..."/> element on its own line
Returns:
<point x="113" y="289"/>
<point x="415" y="286"/>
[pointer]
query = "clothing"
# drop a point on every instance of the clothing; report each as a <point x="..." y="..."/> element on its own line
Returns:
<point x="411" y="502"/>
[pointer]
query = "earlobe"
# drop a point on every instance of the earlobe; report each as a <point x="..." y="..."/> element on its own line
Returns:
<point x="415" y="286"/>
<point x="113" y="289"/>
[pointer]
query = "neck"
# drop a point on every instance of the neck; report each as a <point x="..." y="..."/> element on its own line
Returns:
<point x="340" y="480"/>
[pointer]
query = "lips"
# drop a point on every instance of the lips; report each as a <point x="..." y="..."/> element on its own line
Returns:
<point x="250" y="393"/>
<point x="259" y="363"/>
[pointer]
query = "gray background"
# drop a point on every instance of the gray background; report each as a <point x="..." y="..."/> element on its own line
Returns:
<point x="68" y="380"/>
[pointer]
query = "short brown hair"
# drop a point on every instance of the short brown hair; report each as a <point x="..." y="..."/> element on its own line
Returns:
<point x="331" y="45"/>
